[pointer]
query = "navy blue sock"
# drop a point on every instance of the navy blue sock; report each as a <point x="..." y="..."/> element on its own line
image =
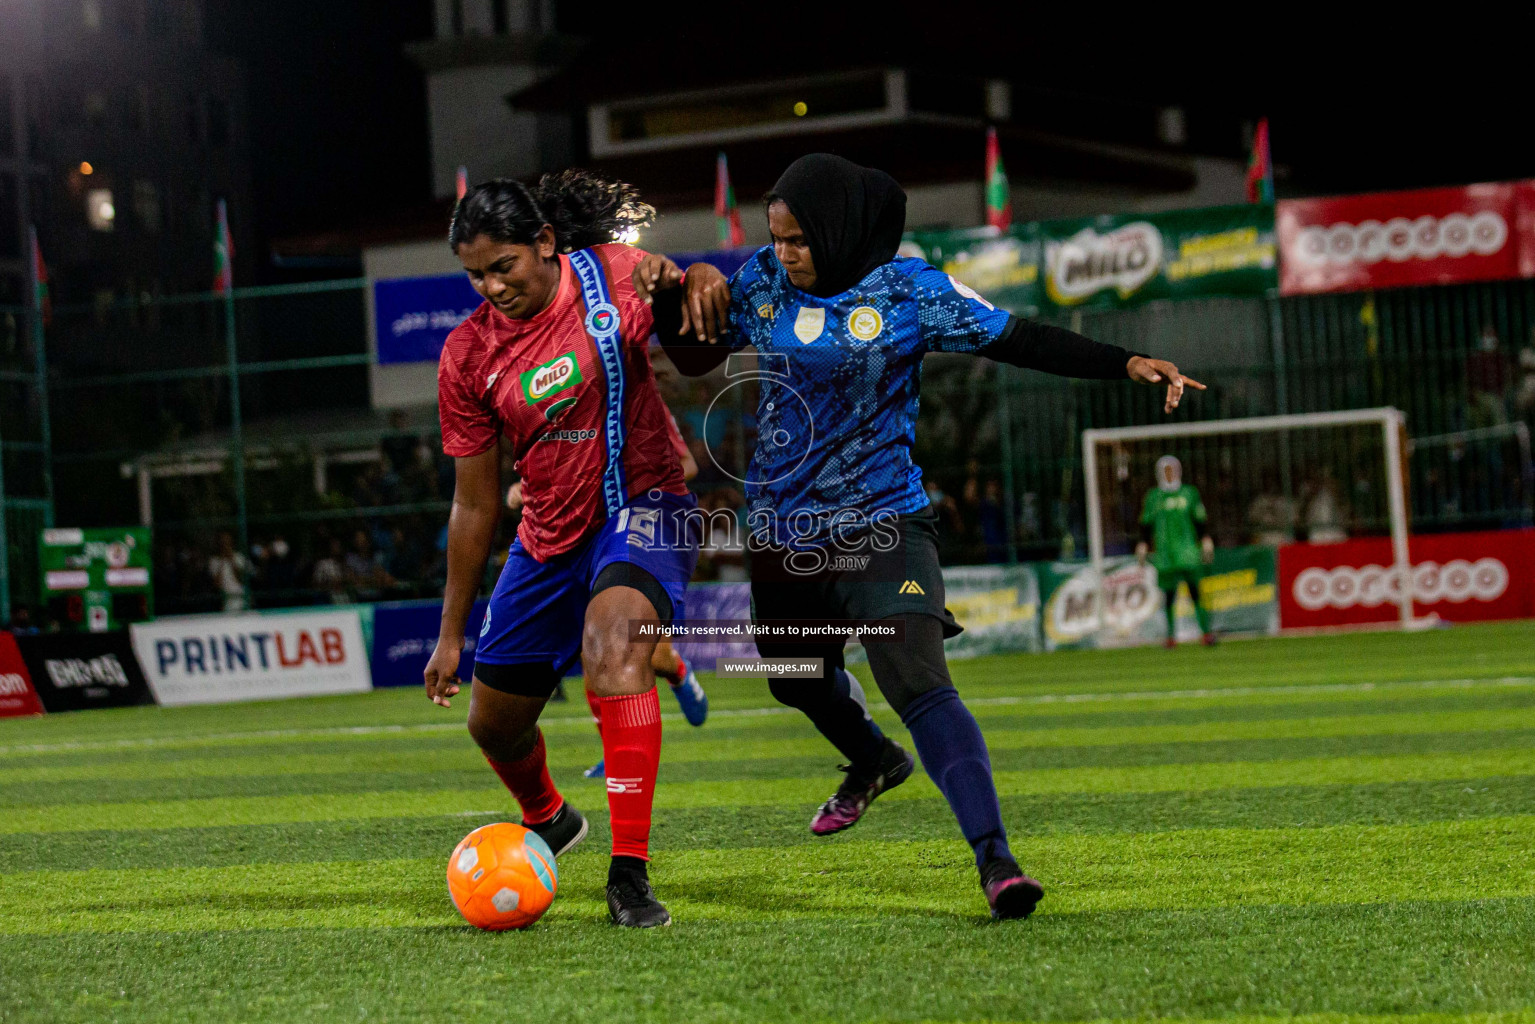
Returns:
<point x="830" y="705"/>
<point x="954" y="754"/>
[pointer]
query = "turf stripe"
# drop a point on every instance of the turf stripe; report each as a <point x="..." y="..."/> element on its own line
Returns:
<point x="1159" y="778"/>
<point x="1486" y="858"/>
<point x="1246" y="699"/>
<point x="782" y="826"/>
<point x="1338" y="964"/>
<point x="464" y="769"/>
<point x="687" y="747"/>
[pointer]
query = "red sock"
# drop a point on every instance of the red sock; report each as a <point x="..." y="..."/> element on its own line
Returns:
<point x="529" y="781"/>
<point x="631" y="748"/>
<point x="595" y="703"/>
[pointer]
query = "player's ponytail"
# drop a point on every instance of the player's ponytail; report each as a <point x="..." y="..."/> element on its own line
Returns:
<point x="587" y="209"/>
<point x="584" y="209"/>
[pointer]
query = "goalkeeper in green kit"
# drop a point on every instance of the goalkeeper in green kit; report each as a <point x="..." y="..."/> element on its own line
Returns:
<point x="1174" y="534"/>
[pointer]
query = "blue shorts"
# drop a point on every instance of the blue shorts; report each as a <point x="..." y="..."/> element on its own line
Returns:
<point x="538" y="609"/>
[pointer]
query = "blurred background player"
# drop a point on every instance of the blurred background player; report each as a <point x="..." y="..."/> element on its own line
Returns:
<point x="851" y="321"/>
<point x="557" y="360"/>
<point x="1177" y="540"/>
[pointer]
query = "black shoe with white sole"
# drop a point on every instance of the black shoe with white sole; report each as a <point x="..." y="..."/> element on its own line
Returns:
<point x="567" y="828"/>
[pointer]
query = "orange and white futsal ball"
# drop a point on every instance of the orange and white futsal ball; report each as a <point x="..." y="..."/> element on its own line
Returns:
<point x="502" y="876"/>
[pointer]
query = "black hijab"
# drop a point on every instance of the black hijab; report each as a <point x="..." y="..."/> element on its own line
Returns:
<point x="852" y="217"/>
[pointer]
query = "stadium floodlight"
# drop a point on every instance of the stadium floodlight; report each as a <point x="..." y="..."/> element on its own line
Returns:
<point x="1367" y="443"/>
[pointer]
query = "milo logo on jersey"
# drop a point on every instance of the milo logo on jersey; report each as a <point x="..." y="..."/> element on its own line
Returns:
<point x="1087" y="263"/>
<point x="549" y="379"/>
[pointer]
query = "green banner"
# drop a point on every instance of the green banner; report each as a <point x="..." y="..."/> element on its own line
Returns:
<point x="96" y="566"/>
<point x="1003" y="267"/>
<point x="1105" y="262"/>
<point x="1124" y="609"/>
<point x="1110" y="261"/>
<point x="997" y="604"/>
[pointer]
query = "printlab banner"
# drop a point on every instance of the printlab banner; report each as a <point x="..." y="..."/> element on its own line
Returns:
<point x="79" y="671"/>
<point x="17" y="697"/>
<point x="405" y="635"/>
<point x="1125" y="609"/>
<point x="1394" y="239"/>
<point x="216" y="659"/>
<point x="1461" y="577"/>
<point x="412" y="316"/>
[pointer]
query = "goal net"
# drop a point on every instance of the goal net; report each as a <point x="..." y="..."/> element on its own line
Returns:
<point x="1270" y="480"/>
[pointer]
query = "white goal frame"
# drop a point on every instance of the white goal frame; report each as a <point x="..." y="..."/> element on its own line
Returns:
<point x="1390" y="421"/>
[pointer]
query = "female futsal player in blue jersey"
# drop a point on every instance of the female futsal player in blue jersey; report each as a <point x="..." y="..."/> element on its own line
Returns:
<point x="840" y="525"/>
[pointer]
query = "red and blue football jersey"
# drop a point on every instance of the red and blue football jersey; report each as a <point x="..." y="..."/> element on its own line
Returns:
<point x="573" y="390"/>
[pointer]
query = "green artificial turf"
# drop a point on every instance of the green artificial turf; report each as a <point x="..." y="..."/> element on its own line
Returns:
<point x="1336" y="829"/>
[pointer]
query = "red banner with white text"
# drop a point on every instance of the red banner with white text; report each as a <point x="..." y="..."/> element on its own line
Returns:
<point x="17" y="695"/>
<point x="1394" y="239"/>
<point x="1461" y="577"/>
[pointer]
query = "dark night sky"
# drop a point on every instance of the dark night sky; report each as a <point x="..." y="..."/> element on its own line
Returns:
<point x="339" y="126"/>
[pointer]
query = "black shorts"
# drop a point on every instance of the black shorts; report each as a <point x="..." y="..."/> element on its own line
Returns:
<point x="877" y="574"/>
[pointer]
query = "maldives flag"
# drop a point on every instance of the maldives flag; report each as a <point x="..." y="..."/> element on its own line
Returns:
<point x="41" y="300"/>
<point x="223" y="255"/>
<point x="999" y="203"/>
<point x="727" y="219"/>
<point x="1260" y="169"/>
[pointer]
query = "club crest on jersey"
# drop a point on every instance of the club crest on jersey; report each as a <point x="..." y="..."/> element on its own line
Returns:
<point x="809" y="324"/>
<point x="551" y="378"/>
<point x="865" y="323"/>
<point x="602" y="320"/>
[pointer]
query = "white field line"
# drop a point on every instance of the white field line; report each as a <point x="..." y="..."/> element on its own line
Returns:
<point x="585" y="721"/>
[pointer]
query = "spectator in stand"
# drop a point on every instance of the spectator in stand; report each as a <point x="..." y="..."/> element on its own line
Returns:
<point x="330" y="573"/>
<point x="1325" y="515"/>
<point x="1524" y="394"/>
<point x="281" y="569"/>
<point x="1271" y="516"/>
<point x="21" y="621"/>
<point x="399" y="446"/>
<point x="991" y="518"/>
<point x="230" y="571"/>
<point x="945" y="507"/>
<point x="362" y="567"/>
<point x="1487" y="378"/>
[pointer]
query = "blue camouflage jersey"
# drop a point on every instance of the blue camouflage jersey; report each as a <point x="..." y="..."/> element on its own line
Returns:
<point x="840" y="378"/>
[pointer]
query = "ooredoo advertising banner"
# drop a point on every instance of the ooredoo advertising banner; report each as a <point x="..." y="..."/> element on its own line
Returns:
<point x="1461" y="577"/>
<point x="1394" y="239"/>
<point x="16" y="694"/>
<point x="216" y="659"/>
<point x="79" y="671"/>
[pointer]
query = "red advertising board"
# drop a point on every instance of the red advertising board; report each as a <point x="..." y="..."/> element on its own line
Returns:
<point x="1393" y="239"/>
<point x="17" y="697"/>
<point x="1461" y="577"/>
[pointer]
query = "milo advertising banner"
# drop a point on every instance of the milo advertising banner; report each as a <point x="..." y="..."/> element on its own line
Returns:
<point x="1124" y="608"/>
<point x="1110" y="261"/>
<point x="1001" y="266"/>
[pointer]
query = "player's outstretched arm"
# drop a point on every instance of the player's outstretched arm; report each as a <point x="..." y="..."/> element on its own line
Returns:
<point x="471" y="531"/>
<point x="1145" y="370"/>
<point x="1038" y="346"/>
